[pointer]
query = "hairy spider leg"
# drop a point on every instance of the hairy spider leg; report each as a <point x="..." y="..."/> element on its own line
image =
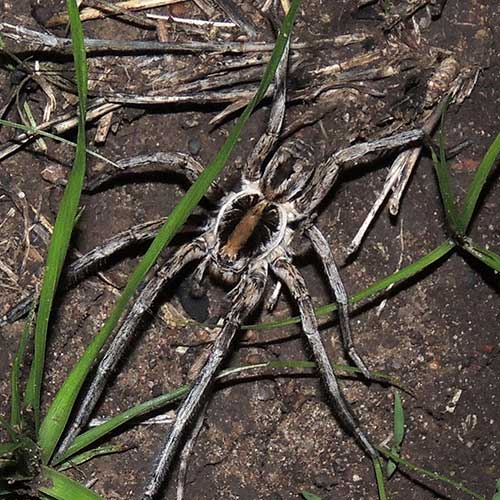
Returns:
<point x="270" y="137"/>
<point x="294" y="281"/>
<point x="184" y="255"/>
<point x="179" y="163"/>
<point x="326" y="173"/>
<point x="248" y="293"/>
<point x="322" y="248"/>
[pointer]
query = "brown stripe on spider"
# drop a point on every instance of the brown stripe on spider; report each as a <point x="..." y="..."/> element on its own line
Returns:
<point x="248" y="226"/>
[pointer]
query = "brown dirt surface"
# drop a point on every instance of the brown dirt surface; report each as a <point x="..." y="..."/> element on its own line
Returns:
<point x="273" y="436"/>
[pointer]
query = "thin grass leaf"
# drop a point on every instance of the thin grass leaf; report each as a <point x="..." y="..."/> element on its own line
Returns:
<point x="486" y="256"/>
<point x="399" y="433"/>
<point x="89" y="437"/>
<point x="11" y="431"/>
<point x="63" y="226"/>
<point x="443" y="177"/>
<point x="482" y="173"/>
<point x="430" y="474"/>
<point x="399" y="420"/>
<point x="309" y="496"/>
<point x="36" y="131"/>
<point x="91" y="454"/>
<point x="406" y="272"/>
<point x="30" y="122"/>
<point x="4" y="491"/>
<point x="15" y="373"/>
<point x="379" y="477"/>
<point x="496" y="496"/>
<point x="63" y="488"/>
<point x="60" y="409"/>
<point x="8" y="448"/>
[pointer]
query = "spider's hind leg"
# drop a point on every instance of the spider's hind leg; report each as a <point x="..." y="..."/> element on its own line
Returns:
<point x="249" y="293"/>
<point x="142" y="304"/>
<point x="290" y="275"/>
<point x="322" y="248"/>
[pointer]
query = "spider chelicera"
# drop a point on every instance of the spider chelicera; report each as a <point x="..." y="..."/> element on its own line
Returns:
<point x="246" y="242"/>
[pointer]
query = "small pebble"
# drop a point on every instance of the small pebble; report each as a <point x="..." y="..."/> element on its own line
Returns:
<point x="194" y="145"/>
<point x="324" y="480"/>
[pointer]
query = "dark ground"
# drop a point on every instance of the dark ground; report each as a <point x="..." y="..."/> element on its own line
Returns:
<point x="273" y="437"/>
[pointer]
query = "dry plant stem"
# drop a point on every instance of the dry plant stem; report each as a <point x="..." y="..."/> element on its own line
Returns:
<point x="120" y="13"/>
<point x="204" y="98"/>
<point x="59" y="124"/>
<point x="402" y="12"/>
<point x="192" y="22"/>
<point x="248" y="296"/>
<point x="409" y="161"/>
<point x="395" y="171"/>
<point x="212" y="65"/>
<point x="206" y="6"/>
<point x="93" y="114"/>
<point x="28" y="40"/>
<point x="322" y="248"/>
<point x="187" y="253"/>
<point x="243" y="76"/>
<point x="397" y="178"/>
<point x="90" y="13"/>
<point x="233" y="11"/>
<point x="292" y="278"/>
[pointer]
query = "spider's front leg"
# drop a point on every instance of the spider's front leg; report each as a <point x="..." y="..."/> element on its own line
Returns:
<point x="179" y="163"/>
<point x="147" y="296"/>
<point x="249" y="293"/>
<point x="270" y="137"/>
<point x="292" y="278"/>
<point x="326" y="174"/>
<point x="322" y="248"/>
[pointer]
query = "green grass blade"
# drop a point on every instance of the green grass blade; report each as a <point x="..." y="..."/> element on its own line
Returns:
<point x="15" y="373"/>
<point x="430" y="474"/>
<point x="398" y="431"/>
<point x="63" y="488"/>
<point x="496" y="496"/>
<point x="92" y="435"/>
<point x="8" y="448"/>
<point x="379" y="477"/>
<point x="36" y="131"/>
<point x="309" y="496"/>
<point x="486" y="256"/>
<point x="60" y="409"/>
<point x="443" y="177"/>
<point x="63" y="227"/>
<point x="399" y="420"/>
<point x="91" y="454"/>
<point x="482" y="173"/>
<point x="406" y="272"/>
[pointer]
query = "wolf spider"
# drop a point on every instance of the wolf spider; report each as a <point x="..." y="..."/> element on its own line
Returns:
<point x="247" y="239"/>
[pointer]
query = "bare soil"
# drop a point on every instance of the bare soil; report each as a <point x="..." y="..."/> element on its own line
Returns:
<point x="271" y="437"/>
